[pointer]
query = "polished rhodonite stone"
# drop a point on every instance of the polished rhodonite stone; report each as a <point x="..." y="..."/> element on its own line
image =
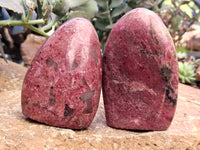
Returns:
<point x="62" y="86"/>
<point x="140" y="73"/>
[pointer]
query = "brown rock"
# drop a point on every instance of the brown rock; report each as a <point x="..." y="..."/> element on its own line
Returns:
<point x="195" y="44"/>
<point x="17" y="132"/>
<point x="30" y="46"/>
<point x="191" y="39"/>
<point x="11" y="75"/>
<point x="198" y="73"/>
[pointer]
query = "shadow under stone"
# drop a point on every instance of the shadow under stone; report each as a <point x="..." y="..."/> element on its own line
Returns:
<point x="31" y="121"/>
<point x="132" y="130"/>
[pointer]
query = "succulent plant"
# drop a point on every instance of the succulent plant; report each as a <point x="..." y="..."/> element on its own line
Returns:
<point x="186" y="72"/>
<point x="181" y="55"/>
<point x="48" y="11"/>
<point x="197" y="62"/>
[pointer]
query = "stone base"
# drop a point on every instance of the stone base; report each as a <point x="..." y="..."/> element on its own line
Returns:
<point x="18" y="132"/>
<point x="11" y="76"/>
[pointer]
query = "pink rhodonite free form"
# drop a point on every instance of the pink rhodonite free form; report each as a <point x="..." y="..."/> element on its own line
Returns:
<point x="62" y="86"/>
<point x="140" y="73"/>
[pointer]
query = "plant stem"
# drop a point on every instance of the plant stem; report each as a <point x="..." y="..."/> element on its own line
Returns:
<point x="48" y="26"/>
<point x="28" y="16"/>
<point x="37" y="30"/>
<point x="20" y="23"/>
<point x="109" y="16"/>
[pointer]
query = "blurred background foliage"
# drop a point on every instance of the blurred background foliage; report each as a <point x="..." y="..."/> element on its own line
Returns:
<point x="43" y="17"/>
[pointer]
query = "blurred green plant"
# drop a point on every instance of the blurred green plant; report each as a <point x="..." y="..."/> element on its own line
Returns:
<point x="186" y="72"/>
<point x="182" y="49"/>
<point x="197" y="62"/>
<point x="181" y="55"/>
<point x="50" y="13"/>
<point x="44" y="16"/>
<point x="179" y="16"/>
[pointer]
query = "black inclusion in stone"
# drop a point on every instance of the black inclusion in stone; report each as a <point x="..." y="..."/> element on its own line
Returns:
<point x="88" y="109"/>
<point x="170" y="94"/>
<point x="84" y="82"/>
<point x="51" y="63"/>
<point x="87" y="98"/>
<point x="68" y="111"/>
<point x="52" y="101"/>
<point x="167" y="73"/>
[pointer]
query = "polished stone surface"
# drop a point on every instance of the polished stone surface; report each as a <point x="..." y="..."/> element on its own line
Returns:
<point x="62" y="87"/>
<point x="140" y="73"/>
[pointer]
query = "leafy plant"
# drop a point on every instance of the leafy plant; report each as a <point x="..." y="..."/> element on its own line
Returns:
<point x="50" y="13"/>
<point x="181" y="55"/>
<point x="44" y="16"/>
<point x="197" y="62"/>
<point x="179" y="16"/>
<point x="186" y="72"/>
<point x="182" y="49"/>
